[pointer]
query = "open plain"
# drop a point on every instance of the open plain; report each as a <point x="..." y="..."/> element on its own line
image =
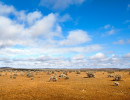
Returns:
<point x="76" y="87"/>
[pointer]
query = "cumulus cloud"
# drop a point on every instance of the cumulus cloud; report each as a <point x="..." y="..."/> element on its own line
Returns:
<point x="79" y="57"/>
<point x="127" y="55"/>
<point x="29" y="39"/>
<point x="5" y="9"/>
<point x="76" y="37"/>
<point x="32" y="34"/>
<point x="59" y="4"/>
<point x="26" y="28"/>
<point x="78" y="61"/>
<point x="98" y="56"/>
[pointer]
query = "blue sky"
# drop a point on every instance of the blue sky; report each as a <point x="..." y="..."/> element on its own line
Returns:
<point x="65" y="34"/>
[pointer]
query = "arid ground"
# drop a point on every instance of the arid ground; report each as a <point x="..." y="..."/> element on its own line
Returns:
<point x="77" y="87"/>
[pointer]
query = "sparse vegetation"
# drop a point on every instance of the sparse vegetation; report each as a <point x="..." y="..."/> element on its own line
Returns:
<point x="32" y="78"/>
<point x="90" y="75"/>
<point x="110" y="75"/>
<point x="53" y="79"/>
<point x="48" y="72"/>
<point x="78" y="72"/>
<point x="65" y="72"/>
<point x="117" y="77"/>
<point x="57" y="85"/>
<point x="116" y="83"/>
<point x="30" y="74"/>
<point x="62" y="75"/>
<point x="66" y="77"/>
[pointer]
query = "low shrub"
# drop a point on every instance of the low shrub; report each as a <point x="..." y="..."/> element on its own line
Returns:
<point x="90" y="75"/>
<point x="110" y="75"/>
<point x="117" y="77"/>
<point x="53" y="79"/>
<point x="78" y="72"/>
<point x="30" y="74"/>
<point x="116" y="83"/>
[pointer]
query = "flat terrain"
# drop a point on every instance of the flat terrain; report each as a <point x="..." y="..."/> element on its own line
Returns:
<point x="77" y="87"/>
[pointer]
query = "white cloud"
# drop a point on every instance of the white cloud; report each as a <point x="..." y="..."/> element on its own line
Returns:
<point x="32" y="17"/>
<point x="119" y="42"/>
<point x="5" y="10"/>
<point x="107" y="26"/>
<point x="111" y="32"/>
<point x="122" y="42"/>
<point x="98" y="56"/>
<point x="36" y="34"/>
<point x="59" y="4"/>
<point x="127" y="55"/>
<point x="12" y="32"/>
<point x="79" y="61"/>
<point x="45" y="27"/>
<point x="64" y="18"/>
<point x="76" y="37"/>
<point x="79" y="57"/>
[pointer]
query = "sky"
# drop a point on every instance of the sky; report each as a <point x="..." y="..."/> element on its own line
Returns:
<point x="65" y="33"/>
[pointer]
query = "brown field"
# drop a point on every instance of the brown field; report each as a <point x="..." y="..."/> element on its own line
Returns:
<point x="77" y="87"/>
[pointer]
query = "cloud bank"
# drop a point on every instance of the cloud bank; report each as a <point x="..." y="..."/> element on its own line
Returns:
<point x="34" y="40"/>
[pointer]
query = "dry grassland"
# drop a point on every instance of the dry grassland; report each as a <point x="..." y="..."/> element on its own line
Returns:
<point x="77" y="87"/>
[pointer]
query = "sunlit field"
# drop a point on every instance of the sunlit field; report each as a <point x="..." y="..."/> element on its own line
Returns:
<point x="64" y="85"/>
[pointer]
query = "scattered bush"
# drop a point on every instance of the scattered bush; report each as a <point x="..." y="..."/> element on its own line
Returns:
<point x="15" y="74"/>
<point x="116" y="83"/>
<point x="70" y="71"/>
<point x="53" y="72"/>
<point x="117" y="77"/>
<point x="14" y="77"/>
<point x="48" y="72"/>
<point x="90" y="75"/>
<point x="53" y="79"/>
<point x="22" y="74"/>
<point x="66" y="77"/>
<point x="65" y="72"/>
<point x="10" y="76"/>
<point x="62" y="75"/>
<point x="110" y="71"/>
<point x="110" y="75"/>
<point x="78" y="72"/>
<point x="32" y="78"/>
<point x="30" y="74"/>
